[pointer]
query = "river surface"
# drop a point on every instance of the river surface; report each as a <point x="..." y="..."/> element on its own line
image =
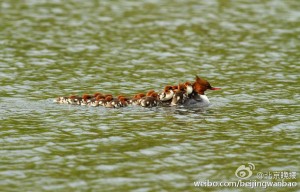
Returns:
<point x="251" y="49"/>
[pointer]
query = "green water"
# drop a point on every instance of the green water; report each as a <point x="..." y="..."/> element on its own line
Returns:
<point x="251" y="49"/>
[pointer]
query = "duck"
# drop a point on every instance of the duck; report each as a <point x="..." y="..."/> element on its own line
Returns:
<point x="61" y="100"/>
<point x="151" y="99"/>
<point x="94" y="102"/>
<point x="180" y="95"/>
<point x="165" y="97"/>
<point x="108" y="101"/>
<point x="188" y="87"/>
<point x="197" y="97"/>
<point x="74" y="100"/>
<point x="120" y="101"/>
<point x="136" y="100"/>
<point x="166" y="94"/>
<point x="86" y="99"/>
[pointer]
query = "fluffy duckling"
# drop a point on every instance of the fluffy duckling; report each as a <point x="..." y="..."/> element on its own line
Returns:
<point x="151" y="100"/>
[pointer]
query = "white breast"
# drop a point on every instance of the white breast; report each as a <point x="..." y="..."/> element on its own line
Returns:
<point x="189" y="89"/>
<point x="166" y="96"/>
<point x="203" y="101"/>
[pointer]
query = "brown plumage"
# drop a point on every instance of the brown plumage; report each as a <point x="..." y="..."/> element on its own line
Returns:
<point x="151" y="100"/>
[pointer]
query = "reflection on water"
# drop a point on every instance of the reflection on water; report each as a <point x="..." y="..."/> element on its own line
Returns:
<point x="49" y="49"/>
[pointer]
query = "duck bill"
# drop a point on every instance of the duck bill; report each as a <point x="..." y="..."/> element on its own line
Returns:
<point x="215" y="88"/>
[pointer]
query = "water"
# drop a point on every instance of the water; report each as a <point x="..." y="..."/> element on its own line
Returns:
<point x="53" y="48"/>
